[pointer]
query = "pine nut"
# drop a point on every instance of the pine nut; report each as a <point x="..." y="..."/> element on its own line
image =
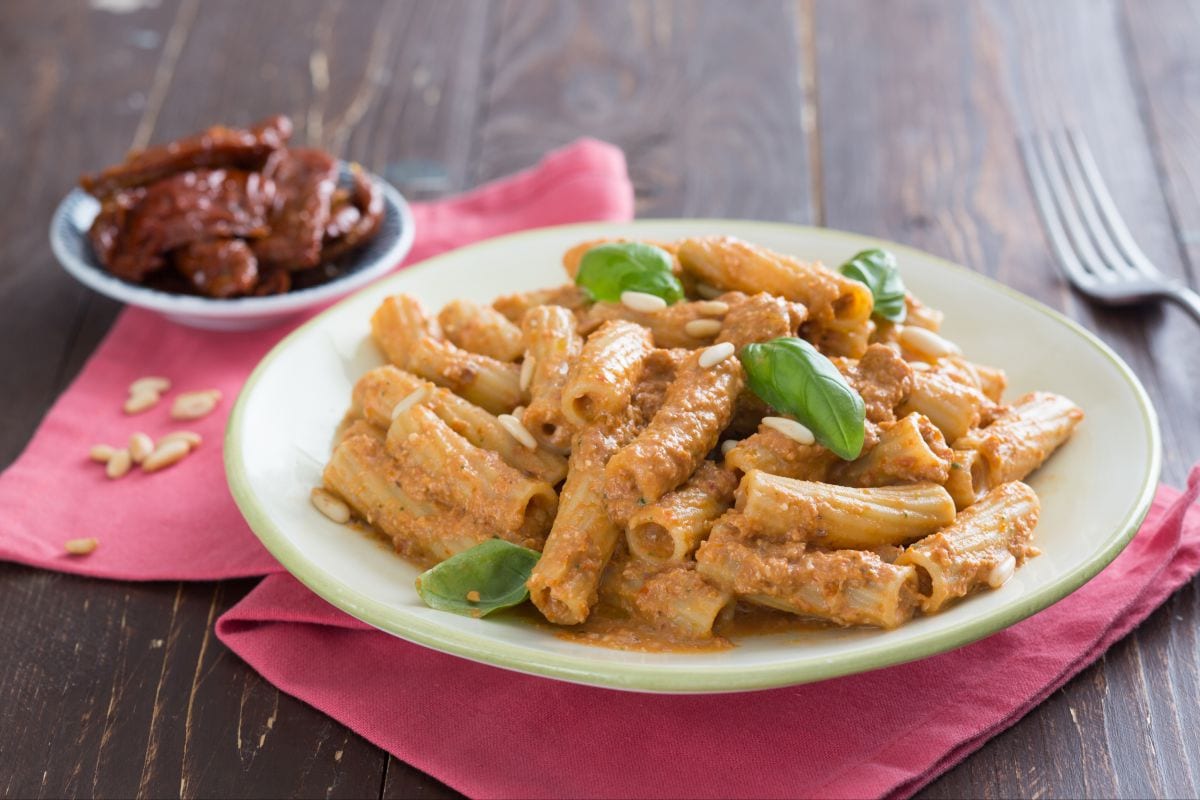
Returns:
<point x="519" y="413"/>
<point x="141" y="401"/>
<point x="711" y="308"/>
<point x="330" y="506"/>
<point x="527" y="367"/>
<point x="728" y="445"/>
<point x="716" y="354"/>
<point x="165" y="455"/>
<point x="118" y="464"/>
<point x="194" y="405"/>
<point x="926" y="343"/>
<point x="1002" y="571"/>
<point x="140" y="446"/>
<point x="708" y="291"/>
<point x="642" y="301"/>
<point x="790" y="428"/>
<point x="150" y="383"/>
<point x="192" y="438"/>
<point x="101" y="452"/>
<point x="702" y="328"/>
<point x="414" y="397"/>
<point x="80" y="547"/>
<point x="517" y="429"/>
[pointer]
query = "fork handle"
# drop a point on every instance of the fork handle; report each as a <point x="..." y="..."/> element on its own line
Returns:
<point x="1189" y="300"/>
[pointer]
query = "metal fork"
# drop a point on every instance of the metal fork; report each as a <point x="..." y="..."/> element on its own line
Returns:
<point x="1093" y="244"/>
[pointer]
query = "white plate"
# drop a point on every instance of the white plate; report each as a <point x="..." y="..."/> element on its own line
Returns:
<point x="1095" y="490"/>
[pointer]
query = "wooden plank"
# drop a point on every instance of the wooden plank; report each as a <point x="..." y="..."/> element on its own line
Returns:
<point x="705" y="98"/>
<point x="128" y="681"/>
<point x="919" y="145"/>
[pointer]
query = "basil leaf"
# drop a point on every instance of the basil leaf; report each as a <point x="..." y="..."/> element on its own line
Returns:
<point x="609" y="269"/>
<point x="790" y="375"/>
<point x="877" y="269"/>
<point x="496" y="569"/>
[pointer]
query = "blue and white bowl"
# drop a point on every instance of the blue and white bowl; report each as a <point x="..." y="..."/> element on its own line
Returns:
<point x="69" y="240"/>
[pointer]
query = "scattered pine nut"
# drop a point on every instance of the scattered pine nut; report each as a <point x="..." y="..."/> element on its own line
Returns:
<point x="118" y="464"/>
<point x="712" y="308"/>
<point x="518" y="430"/>
<point x="80" y="547"/>
<point x="330" y="506"/>
<point x="165" y="455"/>
<point x="728" y="445"/>
<point x="416" y="396"/>
<point x="150" y="384"/>
<point x="716" y="354"/>
<point x="1002" y="571"/>
<point x="101" y="452"/>
<point x="642" y="301"/>
<point x="707" y="291"/>
<point x="141" y="401"/>
<point x="192" y="438"/>
<point x="702" y="328"/>
<point x="194" y="405"/>
<point x="790" y="428"/>
<point x="527" y="367"/>
<point x="926" y="343"/>
<point x="140" y="446"/>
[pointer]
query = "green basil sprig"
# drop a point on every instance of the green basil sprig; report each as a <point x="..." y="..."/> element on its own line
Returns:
<point x="496" y="569"/>
<point x="791" y="376"/>
<point x="877" y="269"/>
<point x="609" y="269"/>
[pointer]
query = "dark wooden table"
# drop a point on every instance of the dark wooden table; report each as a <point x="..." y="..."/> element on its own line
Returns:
<point x="895" y="119"/>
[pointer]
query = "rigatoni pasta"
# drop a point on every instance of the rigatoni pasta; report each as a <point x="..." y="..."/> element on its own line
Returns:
<point x="623" y="427"/>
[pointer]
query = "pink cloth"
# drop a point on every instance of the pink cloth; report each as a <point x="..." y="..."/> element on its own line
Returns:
<point x="492" y="733"/>
<point x="182" y="524"/>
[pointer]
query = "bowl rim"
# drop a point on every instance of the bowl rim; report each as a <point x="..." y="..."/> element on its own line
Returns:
<point x="95" y="277"/>
<point x="668" y="678"/>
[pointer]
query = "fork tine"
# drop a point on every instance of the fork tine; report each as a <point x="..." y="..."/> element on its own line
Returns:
<point x="1112" y="217"/>
<point x="1050" y="218"/>
<point x="1086" y="201"/>
<point x="1068" y="209"/>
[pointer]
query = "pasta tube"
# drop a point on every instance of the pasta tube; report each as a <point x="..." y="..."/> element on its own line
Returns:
<point x="411" y="340"/>
<point x="771" y="451"/>
<point x="481" y="329"/>
<point x="514" y="306"/>
<point x="841" y="516"/>
<point x="602" y="380"/>
<point x="564" y="583"/>
<point x="1020" y="441"/>
<point x="377" y="392"/>
<point x="553" y="345"/>
<point x="967" y="479"/>
<point x="848" y="587"/>
<point x="731" y="264"/>
<point x="361" y="473"/>
<point x="984" y="546"/>
<point x="696" y="408"/>
<point x="397" y="325"/>
<point x="671" y="528"/>
<point x="444" y="466"/>
<point x="909" y="451"/>
<point x="953" y="407"/>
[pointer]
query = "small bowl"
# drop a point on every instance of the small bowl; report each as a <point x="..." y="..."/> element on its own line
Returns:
<point x="69" y="240"/>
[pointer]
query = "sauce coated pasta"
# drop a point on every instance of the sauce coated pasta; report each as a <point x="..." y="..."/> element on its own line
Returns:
<point x="692" y="433"/>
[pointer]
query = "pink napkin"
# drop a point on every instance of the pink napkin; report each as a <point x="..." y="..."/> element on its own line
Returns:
<point x="492" y="733"/>
<point x="182" y="524"/>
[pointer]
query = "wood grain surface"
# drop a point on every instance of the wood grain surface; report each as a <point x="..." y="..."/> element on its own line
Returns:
<point x="894" y="119"/>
